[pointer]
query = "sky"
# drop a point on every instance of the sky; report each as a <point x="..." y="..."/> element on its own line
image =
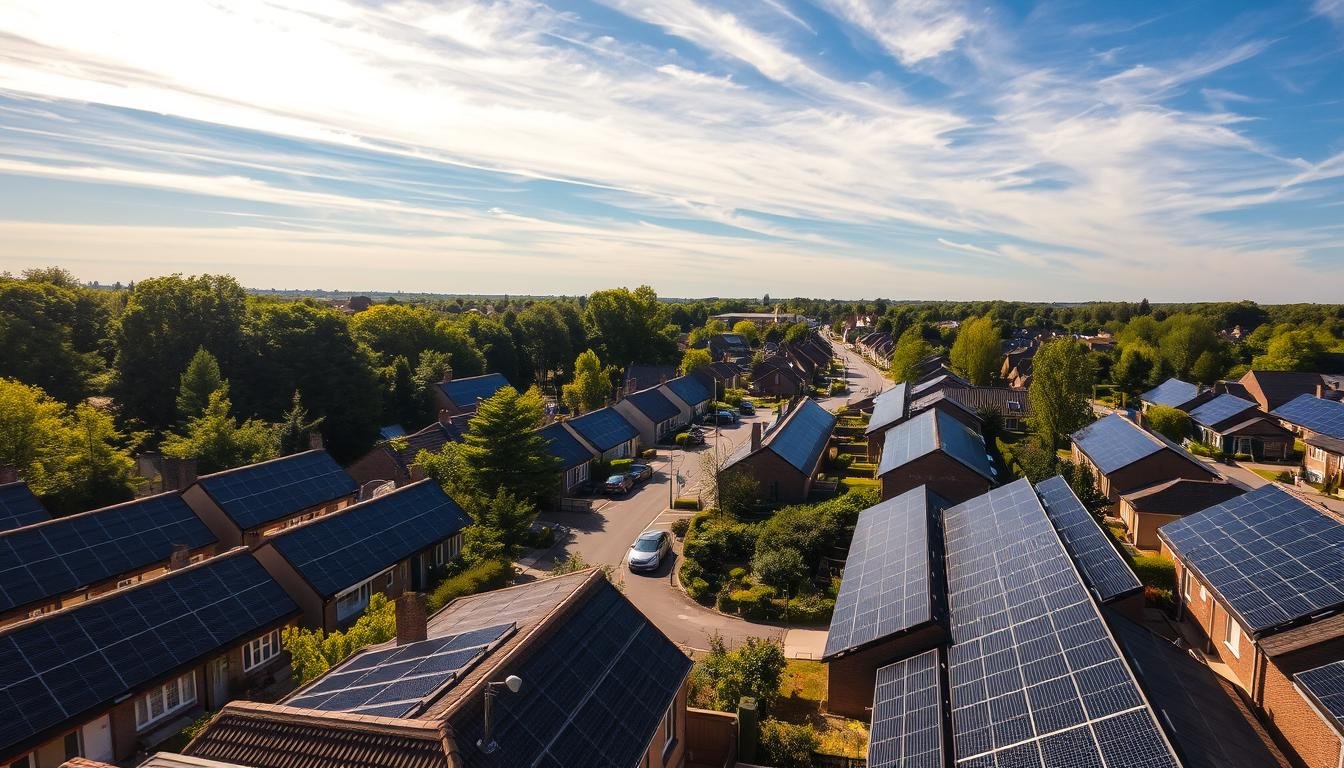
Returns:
<point x="905" y="149"/>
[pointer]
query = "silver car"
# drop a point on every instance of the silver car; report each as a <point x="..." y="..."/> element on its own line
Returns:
<point x="649" y="550"/>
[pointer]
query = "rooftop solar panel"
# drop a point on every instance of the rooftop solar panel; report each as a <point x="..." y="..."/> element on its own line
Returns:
<point x="691" y="390"/>
<point x="1101" y="565"/>
<point x="1113" y="442"/>
<point x="655" y="405"/>
<point x="19" y="507"/>
<point x="907" y="729"/>
<point x="888" y="408"/>
<point x="1220" y="409"/>
<point x="63" y="667"/>
<point x="40" y="562"/>
<point x="465" y="392"/>
<point x="962" y="443"/>
<point x="604" y="428"/>
<point x="1315" y="414"/>
<point x="887" y="587"/>
<point x="399" y="681"/>
<point x="262" y="493"/>
<point x="342" y="549"/>
<point x="1035" y="677"/>
<point x="1325" y="686"/>
<point x="565" y="446"/>
<point x="801" y="438"/>
<point x="1172" y="393"/>
<point x="1270" y="557"/>
<point x="908" y="441"/>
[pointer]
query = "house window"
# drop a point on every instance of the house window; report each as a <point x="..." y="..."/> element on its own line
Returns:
<point x="73" y="746"/>
<point x="23" y="762"/>
<point x="261" y="650"/>
<point x="670" y="725"/>
<point x="1203" y="593"/>
<point x="355" y="599"/>
<point x="1315" y="453"/>
<point x="128" y="582"/>
<point x="446" y="551"/>
<point x="1232" y="636"/>
<point x="165" y="700"/>
<point x="1185" y="584"/>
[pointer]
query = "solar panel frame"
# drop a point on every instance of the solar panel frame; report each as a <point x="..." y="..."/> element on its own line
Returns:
<point x="19" y="507"/>
<point x="1324" y="686"/>
<point x="1325" y="417"/>
<point x="1100" y="563"/>
<point x="262" y="493"/>
<point x="908" y="724"/>
<point x="962" y="443"/>
<point x="802" y="438"/>
<point x="465" y="392"/>
<point x="888" y="408"/>
<point x="1114" y="442"/>
<point x="907" y="441"/>
<point x="1220" y="409"/>
<point x="604" y="428"/>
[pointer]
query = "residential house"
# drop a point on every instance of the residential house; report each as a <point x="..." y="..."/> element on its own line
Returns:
<point x="942" y="400"/>
<point x="606" y="431"/>
<point x="731" y="347"/>
<point x="777" y="376"/>
<point x="723" y="374"/>
<point x="454" y="397"/>
<point x="1011" y="405"/>
<point x="1172" y="393"/>
<point x="936" y="450"/>
<point x="811" y="356"/>
<point x="70" y="560"/>
<point x="19" y="507"/>
<point x="1323" y="460"/>
<point x="1014" y="357"/>
<point x="642" y="376"/>
<point x="691" y="394"/>
<point x="394" y="459"/>
<point x="1095" y="554"/>
<point x="889" y="409"/>
<point x="1234" y="425"/>
<point x="1261" y="587"/>
<point x="1320" y="422"/>
<point x="655" y="416"/>
<point x="1271" y="389"/>
<point x="936" y="383"/>
<point x="333" y="564"/>
<point x="1125" y="457"/>
<point x="575" y="456"/>
<point x="126" y="669"/>
<point x="785" y="459"/>
<point x="597" y="684"/>
<point x="247" y="504"/>
<point x="1149" y="508"/>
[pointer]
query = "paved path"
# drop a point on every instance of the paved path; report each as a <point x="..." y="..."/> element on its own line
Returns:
<point x="1243" y="476"/>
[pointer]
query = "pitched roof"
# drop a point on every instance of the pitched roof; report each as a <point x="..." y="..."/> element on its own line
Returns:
<point x="941" y="396"/>
<point x="643" y="375"/>
<point x="1113" y="442"/>
<point x="1005" y="400"/>
<point x="1172" y="392"/>
<point x="465" y="392"/>
<point x="432" y="438"/>
<point x="1220" y="410"/>
<point x="933" y="430"/>
<point x="565" y="447"/>
<point x="40" y="562"/>
<point x="603" y="429"/>
<point x="690" y="390"/>
<point x="654" y="405"/>
<point x="334" y="551"/>
<point x="19" y="507"/>
<point x="934" y="383"/>
<point x="1310" y="412"/>
<point x="888" y="407"/>
<point x="258" y="494"/>
<point x="1182" y="496"/>
<point x="1274" y="388"/>
<point x="1334" y="445"/>
<point x="801" y="437"/>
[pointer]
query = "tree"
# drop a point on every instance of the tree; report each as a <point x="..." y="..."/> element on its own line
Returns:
<point x="1061" y="384"/>
<point x="403" y="403"/>
<point x="629" y="325"/>
<point x="905" y="356"/>
<point x="197" y="383"/>
<point x="495" y="342"/>
<point x="1289" y="350"/>
<point x="1084" y="485"/>
<point x="218" y="442"/>
<point x="38" y="342"/>
<point x="313" y="652"/>
<point x="32" y="436"/>
<point x="293" y="434"/>
<point x="504" y="451"/>
<point x="100" y="470"/>
<point x="1171" y="422"/>
<point x="695" y="359"/>
<point x="752" y="669"/>
<point x="1184" y="339"/>
<point x="788" y="745"/>
<point x="748" y="330"/>
<point x="781" y="568"/>
<point x="977" y="351"/>
<point x="1132" y="371"/>
<point x="591" y="385"/>
<point x="546" y="337"/>
<point x="396" y="330"/>
<point x="1207" y="368"/>
<point x="796" y="332"/>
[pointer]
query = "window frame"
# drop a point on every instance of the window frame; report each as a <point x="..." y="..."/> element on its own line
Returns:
<point x="364" y="590"/>
<point x="1185" y="583"/>
<point x="79" y="744"/>
<point x="256" y="650"/>
<point x="1232" y="635"/>
<point x="183" y="687"/>
<point x="670" y="726"/>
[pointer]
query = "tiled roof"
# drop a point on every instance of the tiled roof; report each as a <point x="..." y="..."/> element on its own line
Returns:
<point x="654" y="405"/>
<point x="642" y="376"/>
<point x="465" y="392"/>
<point x="1172" y="392"/>
<point x="272" y="490"/>
<point x="691" y="390"/>
<point x="565" y="446"/>
<point x="1005" y="400"/>
<point x="1331" y="444"/>
<point x="19" y="507"/>
<point x="432" y="438"/>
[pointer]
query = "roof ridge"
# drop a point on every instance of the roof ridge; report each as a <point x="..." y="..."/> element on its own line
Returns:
<point x="336" y="513"/>
<point x="286" y="457"/>
<point x="88" y="512"/>
<point x="256" y="710"/>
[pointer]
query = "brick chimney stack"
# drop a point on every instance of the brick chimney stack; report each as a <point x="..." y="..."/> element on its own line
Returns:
<point x="180" y="558"/>
<point x="412" y="618"/>
<point x="755" y="436"/>
<point x="315" y="440"/>
<point x="9" y="474"/>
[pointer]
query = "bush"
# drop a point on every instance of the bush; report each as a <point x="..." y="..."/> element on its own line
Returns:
<point x="649" y="453"/>
<point x="734" y="397"/>
<point x="787" y="745"/>
<point x="682" y="439"/>
<point x="838" y="463"/>
<point x="860" y="483"/>
<point x="1156" y="571"/>
<point x="680" y="526"/>
<point x="809" y="609"/>
<point x="838" y="387"/>
<point x="699" y="590"/>
<point x="751" y="603"/>
<point x="621" y="465"/>
<point x="486" y="575"/>
<point x="686" y="502"/>
<point x="781" y="567"/>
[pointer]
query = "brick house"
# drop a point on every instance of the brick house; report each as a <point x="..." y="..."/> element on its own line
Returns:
<point x="1271" y="389"/>
<point x="333" y="564"/>
<point x="639" y="376"/>
<point x="19" y="507"/>
<point x="247" y="504"/>
<point x="124" y="670"/>
<point x="455" y="397"/>
<point x="575" y="456"/>
<point x="1235" y="425"/>
<point x="786" y="458"/>
<point x="655" y="416"/>
<point x="942" y="400"/>
<point x="936" y="450"/>
<point x="600" y="685"/>
<point x="731" y="347"/>
<point x="889" y="409"/>
<point x="1173" y="393"/>
<point x="936" y="382"/>
<point x="1320" y="422"/>
<point x="1124" y="457"/>
<point x="395" y="459"/>
<point x="777" y="376"/>
<point x="73" y="559"/>
<point x="1147" y="509"/>
<point x="609" y="434"/>
<point x="1323" y="460"/>
<point x="1010" y="404"/>
<point x="692" y="394"/>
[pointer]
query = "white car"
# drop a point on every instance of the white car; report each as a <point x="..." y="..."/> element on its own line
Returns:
<point x="648" y="551"/>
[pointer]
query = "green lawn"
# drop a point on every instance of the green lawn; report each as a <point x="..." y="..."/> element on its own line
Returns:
<point x="802" y="695"/>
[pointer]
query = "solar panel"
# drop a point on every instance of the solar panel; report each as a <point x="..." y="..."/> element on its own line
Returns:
<point x="1269" y="556"/>
<point x="1102" y="567"/>
<point x="19" y="507"/>
<point x="338" y="550"/>
<point x="565" y="447"/>
<point x="1113" y="442"/>
<point x="1220" y="409"/>
<point x="273" y="490"/>
<point x="604" y="428"/>
<point x="802" y="437"/>
<point x="69" y="664"/>
<point x="399" y="681"/>
<point x="907" y="728"/>
<point x="690" y="390"/>
<point x="40" y="562"/>
<point x="887" y="587"/>
<point x="465" y="392"/>
<point x="1315" y="414"/>
<point x="1172" y="393"/>
<point x="962" y="443"/>
<point x="1325" y="685"/>
<point x="888" y="407"/>
<point x="908" y="441"/>
<point x="1035" y="677"/>
<point x="654" y="405"/>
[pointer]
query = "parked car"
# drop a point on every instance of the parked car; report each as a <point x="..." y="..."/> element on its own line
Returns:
<point x="747" y="408"/>
<point x="618" y="485"/>
<point x="648" y="551"/>
<point x="722" y="416"/>
<point x="638" y="472"/>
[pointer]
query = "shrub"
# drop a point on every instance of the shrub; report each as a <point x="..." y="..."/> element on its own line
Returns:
<point x="810" y="609"/>
<point x="683" y="439"/>
<point x="1173" y="423"/>
<point x="838" y="387"/>
<point x="738" y="574"/>
<point x="621" y="465"/>
<point x="1159" y="598"/>
<point x="860" y="483"/>
<point x="686" y="502"/>
<point x="752" y="603"/>
<point x="733" y="397"/>
<point x="649" y="453"/>
<point x="680" y="526"/>
<point x="838" y="463"/>
<point x="698" y="589"/>
<point x="780" y="567"/>
<point x="486" y="575"/>
<point x="753" y="669"/>
<point x="787" y="745"/>
<point x="1156" y="571"/>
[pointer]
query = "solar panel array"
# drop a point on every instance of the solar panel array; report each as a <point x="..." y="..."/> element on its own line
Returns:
<point x="888" y="407"/>
<point x="72" y="663"/>
<point x="802" y="438"/>
<point x="654" y="405"/>
<point x="962" y="443"/>
<point x="565" y="447"/>
<point x="689" y="389"/>
<point x="1172" y="392"/>
<point x="1113" y="442"/>
<point x="1102" y="567"/>
<point x="1315" y="414"/>
<point x="1035" y="678"/>
<point x="887" y="587"/>
<point x="1220" y="409"/>
<point x="339" y="550"/>
<point x="19" y="507"/>
<point x="40" y="562"/>
<point x="273" y="490"/>
<point x="594" y="694"/>
<point x="908" y="441"/>
<point x="399" y="681"/>
<point x="465" y="392"/>
<point x="1325" y="684"/>
<point x="604" y="428"/>
<point x="907" y="728"/>
<point x="1270" y="557"/>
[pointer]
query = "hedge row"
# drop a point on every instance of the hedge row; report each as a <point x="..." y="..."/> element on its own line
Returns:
<point x="486" y="575"/>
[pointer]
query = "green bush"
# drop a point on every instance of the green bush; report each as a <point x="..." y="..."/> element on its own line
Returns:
<point x="810" y="609"/>
<point x="733" y="397"/>
<point x="787" y="745"/>
<point x="649" y="453"/>
<point x="738" y="574"/>
<point x="621" y="465"/>
<point x="781" y="567"/>
<point x="1156" y="571"/>
<point x="683" y="439"/>
<point x="680" y="526"/>
<point x="838" y="463"/>
<point x="860" y="483"/>
<point x="486" y="575"/>
<point x="751" y="603"/>
<point x="686" y="502"/>
<point x="838" y="387"/>
<point x="699" y="590"/>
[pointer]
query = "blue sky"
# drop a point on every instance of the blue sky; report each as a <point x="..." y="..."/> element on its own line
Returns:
<point x="842" y="148"/>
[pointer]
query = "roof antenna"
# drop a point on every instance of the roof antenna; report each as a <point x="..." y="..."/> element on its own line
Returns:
<point x="487" y="743"/>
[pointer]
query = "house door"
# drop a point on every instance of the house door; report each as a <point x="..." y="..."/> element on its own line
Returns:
<point x="217" y="679"/>
<point x="417" y="574"/>
<point x="97" y="737"/>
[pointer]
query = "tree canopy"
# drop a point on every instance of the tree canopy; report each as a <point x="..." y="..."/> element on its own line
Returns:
<point x="977" y="351"/>
<point x="591" y="385"/>
<point x="909" y="350"/>
<point x="1060" y="391"/>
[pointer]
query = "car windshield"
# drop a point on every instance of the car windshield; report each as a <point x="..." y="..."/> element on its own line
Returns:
<point x="616" y="479"/>
<point x="646" y="545"/>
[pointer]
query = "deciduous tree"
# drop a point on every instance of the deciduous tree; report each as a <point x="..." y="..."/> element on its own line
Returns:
<point x="1061" y="385"/>
<point x="977" y="351"/>
<point x="910" y="349"/>
<point x="591" y="385"/>
<point x="218" y="442"/>
<point x="1171" y="422"/>
<point x="694" y="359"/>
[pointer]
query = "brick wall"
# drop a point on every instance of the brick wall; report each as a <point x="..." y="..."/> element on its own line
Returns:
<point x="1157" y="468"/>
<point x="1296" y="721"/>
<point x="944" y="475"/>
<point x="850" y="679"/>
<point x="780" y="482"/>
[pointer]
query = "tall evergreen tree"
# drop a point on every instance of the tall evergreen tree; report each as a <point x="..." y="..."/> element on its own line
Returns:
<point x="295" y="428"/>
<point x="504" y="450"/>
<point x="198" y="382"/>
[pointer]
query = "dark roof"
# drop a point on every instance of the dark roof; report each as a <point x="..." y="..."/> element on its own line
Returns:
<point x="258" y="494"/>
<point x="40" y="562"/>
<point x="1315" y="414"/>
<point x="1324" y="685"/>
<point x="941" y="381"/>
<point x="643" y="376"/>
<point x="1172" y="392"/>
<point x="1332" y="444"/>
<point x="654" y="405"/>
<point x="1220" y="409"/>
<point x="1004" y="400"/>
<point x="565" y="447"/>
<point x="1114" y="442"/>
<point x="691" y="390"/>
<point x="343" y="548"/>
<point x="1279" y="387"/>
<point x="432" y="438"/>
<point x="603" y="429"/>
<point x="19" y="507"/>
<point x="888" y="408"/>
<point x="63" y="667"/>
<point x="1093" y="551"/>
<point x="933" y="430"/>
<point x="1181" y="496"/>
<point x="801" y="437"/>
<point x="465" y="392"/>
<point x="1203" y="715"/>
<point x="941" y="396"/>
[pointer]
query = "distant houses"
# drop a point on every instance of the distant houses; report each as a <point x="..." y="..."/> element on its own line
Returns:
<point x="1124" y="457"/>
<point x="786" y="459"/>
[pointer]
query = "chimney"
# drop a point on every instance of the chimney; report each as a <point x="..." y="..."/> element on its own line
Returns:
<point x="180" y="558"/>
<point x="178" y="474"/>
<point x="9" y="474"/>
<point x="412" y="618"/>
<point x="315" y="440"/>
<point x="252" y="539"/>
<point x="1320" y="391"/>
<point x="755" y="436"/>
<point x="448" y="375"/>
